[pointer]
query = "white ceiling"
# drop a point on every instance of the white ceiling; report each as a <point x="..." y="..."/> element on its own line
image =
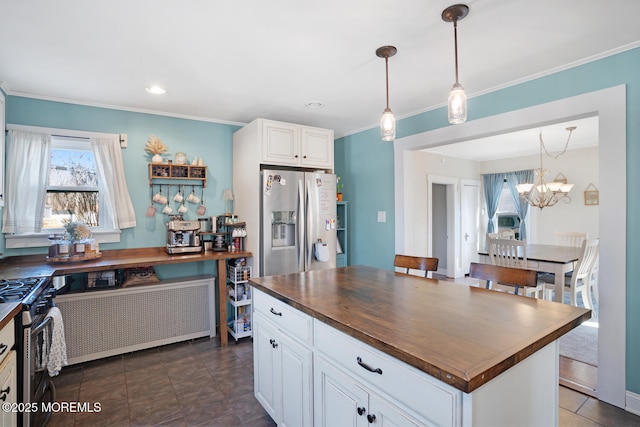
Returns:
<point x="233" y="61"/>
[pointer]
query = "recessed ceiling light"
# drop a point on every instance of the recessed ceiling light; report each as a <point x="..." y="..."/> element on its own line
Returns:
<point x="314" y="104"/>
<point x="156" y="90"/>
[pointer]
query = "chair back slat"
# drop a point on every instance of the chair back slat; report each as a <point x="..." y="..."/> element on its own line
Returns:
<point x="408" y="262"/>
<point x="504" y="275"/>
<point x="507" y="252"/>
<point x="571" y="238"/>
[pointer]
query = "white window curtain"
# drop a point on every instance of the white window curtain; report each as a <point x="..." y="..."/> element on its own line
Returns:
<point x="110" y="167"/>
<point x="27" y="171"/>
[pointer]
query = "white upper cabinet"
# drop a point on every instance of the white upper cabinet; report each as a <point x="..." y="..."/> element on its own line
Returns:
<point x="287" y="144"/>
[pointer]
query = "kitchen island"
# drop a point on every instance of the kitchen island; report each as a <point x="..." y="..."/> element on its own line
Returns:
<point x="385" y="345"/>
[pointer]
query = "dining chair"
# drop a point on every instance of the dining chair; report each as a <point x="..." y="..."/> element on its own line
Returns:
<point x="506" y="276"/>
<point x="408" y="262"/>
<point x="571" y="238"/>
<point x="584" y="279"/>
<point x="512" y="253"/>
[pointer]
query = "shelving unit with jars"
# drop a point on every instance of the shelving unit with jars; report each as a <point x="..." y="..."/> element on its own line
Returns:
<point x="239" y="300"/>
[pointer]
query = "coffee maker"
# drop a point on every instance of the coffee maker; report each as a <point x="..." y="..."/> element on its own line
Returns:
<point x="182" y="236"/>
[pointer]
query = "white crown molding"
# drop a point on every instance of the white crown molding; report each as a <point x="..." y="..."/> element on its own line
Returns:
<point x="117" y="107"/>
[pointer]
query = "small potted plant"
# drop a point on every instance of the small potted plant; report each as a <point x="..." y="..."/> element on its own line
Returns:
<point x="156" y="147"/>
<point x="339" y="187"/>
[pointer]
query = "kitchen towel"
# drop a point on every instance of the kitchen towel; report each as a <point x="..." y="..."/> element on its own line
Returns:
<point x="58" y="351"/>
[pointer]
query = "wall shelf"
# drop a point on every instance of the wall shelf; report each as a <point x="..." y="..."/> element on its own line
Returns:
<point x="173" y="171"/>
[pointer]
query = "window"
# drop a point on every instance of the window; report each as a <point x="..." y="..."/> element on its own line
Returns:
<point x="73" y="192"/>
<point x="84" y="182"/>
<point x="506" y="203"/>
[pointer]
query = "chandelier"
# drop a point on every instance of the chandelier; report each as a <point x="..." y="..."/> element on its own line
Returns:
<point x="541" y="193"/>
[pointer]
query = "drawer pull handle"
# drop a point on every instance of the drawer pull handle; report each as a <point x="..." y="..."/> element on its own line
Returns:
<point x="367" y="367"/>
<point x="371" y="418"/>
<point x="3" y="348"/>
<point x="277" y="313"/>
<point x="361" y="411"/>
<point x="5" y="393"/>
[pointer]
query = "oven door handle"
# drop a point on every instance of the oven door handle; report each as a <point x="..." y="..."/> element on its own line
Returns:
<point x="42" y="325"/>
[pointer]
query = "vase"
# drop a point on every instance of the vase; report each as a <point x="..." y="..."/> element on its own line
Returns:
<point x="157" y="158"/>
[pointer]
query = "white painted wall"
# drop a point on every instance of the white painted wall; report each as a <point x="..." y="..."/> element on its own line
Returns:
<point x="417" y="165"/>
<point x="580" y="167"/>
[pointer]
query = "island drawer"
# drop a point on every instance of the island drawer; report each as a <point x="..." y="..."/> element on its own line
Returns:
<point x="427" y="396"/>
<point x="288" y="319"/>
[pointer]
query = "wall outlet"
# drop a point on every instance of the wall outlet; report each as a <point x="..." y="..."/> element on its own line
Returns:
<point x="382" y="216"/>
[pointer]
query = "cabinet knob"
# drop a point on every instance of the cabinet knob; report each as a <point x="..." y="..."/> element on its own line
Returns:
<point x="304" y="157"/>
<point x="361" y="411"/>
<point x="296" y="156"/>
<point x="371" y="418"/>
<point x="273" y="343"/>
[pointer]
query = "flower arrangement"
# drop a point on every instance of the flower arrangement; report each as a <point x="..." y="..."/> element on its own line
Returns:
<point x="77" y="231"/>
<point x="155" y="146"/>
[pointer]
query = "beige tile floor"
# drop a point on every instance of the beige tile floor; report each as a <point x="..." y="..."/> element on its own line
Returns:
<point x="198" y="383"/>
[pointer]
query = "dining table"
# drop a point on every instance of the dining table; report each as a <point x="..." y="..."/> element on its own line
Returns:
<point x="555" y="259"/>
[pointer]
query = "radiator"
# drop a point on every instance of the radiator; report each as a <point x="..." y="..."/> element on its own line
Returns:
<point x="105" y="323"/>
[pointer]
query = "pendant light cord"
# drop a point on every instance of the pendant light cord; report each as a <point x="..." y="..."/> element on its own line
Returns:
<point x="542" y="146"/>
<point x="455" y="42"/>
<point x="386" y="65"/>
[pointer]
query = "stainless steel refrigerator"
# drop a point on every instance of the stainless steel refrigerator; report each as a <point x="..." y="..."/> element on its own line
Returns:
<point x="298" y="221"/>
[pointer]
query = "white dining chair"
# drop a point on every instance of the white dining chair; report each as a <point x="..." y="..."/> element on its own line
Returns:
<point x="584" y="279"/>
<point x="512" y="253"/>
<point x="571" y="238"/>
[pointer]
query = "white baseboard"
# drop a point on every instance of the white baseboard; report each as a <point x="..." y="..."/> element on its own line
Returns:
<point x="633" y="403"/>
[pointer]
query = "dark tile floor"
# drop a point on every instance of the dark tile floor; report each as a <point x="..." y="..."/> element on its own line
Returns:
<point x="198" y="383"/>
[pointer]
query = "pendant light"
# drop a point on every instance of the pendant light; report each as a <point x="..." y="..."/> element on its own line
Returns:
<point x="387" y="122"/>
<point x="457" y="97"/>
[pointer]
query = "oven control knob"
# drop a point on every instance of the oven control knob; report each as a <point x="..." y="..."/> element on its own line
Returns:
<point x="42" y="307"/>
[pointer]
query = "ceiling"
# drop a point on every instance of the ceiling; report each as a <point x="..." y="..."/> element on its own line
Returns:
<point x="234" y="61"/>
<point x="525" y="142"/>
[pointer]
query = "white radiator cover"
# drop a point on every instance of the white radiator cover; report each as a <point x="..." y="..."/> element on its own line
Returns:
<point x="100" y="324"/>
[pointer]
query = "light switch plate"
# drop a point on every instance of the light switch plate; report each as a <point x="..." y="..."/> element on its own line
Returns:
<point x="382" y="216"/>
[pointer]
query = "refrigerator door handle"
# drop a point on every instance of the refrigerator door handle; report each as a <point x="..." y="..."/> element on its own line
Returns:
<point x="309" y="221"/>
<point x="300" y="244"/>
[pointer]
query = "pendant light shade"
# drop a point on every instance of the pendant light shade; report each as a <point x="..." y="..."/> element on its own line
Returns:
<point x="388" y="126"/>
<point x="457" y="97"/>
<point x="388" y="121"/>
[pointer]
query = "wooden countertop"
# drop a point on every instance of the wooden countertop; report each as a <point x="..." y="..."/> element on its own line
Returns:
<point x="38" y="266"/>
<point x="462" y="335"/>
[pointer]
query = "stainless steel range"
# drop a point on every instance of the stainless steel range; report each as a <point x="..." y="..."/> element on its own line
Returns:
<point x="32" y="326"/>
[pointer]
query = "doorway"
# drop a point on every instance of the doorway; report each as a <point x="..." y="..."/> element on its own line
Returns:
<point x="610" y="107"/>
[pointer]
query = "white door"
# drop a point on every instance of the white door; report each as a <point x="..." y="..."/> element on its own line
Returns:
<point x="470" y="216"/>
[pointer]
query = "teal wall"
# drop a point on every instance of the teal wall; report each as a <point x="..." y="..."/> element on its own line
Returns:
<point x="366" y="165"/>
<point x="211" y="141"/>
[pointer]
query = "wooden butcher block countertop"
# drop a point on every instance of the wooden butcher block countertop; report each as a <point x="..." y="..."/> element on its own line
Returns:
<point x="462" y="335"/>
<point x="38" y="265"/>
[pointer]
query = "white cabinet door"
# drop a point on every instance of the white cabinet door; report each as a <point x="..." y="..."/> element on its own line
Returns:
<point x="280" y="143"/>
<point x="283" y="375"/>
<point x="296" y="379"/>
<point x="8" y="389"/>
<point x="340" y="401"/>
<point x="388" y="415"/>
<point x="265" y="367"/>
<point x="316" y="146"/>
